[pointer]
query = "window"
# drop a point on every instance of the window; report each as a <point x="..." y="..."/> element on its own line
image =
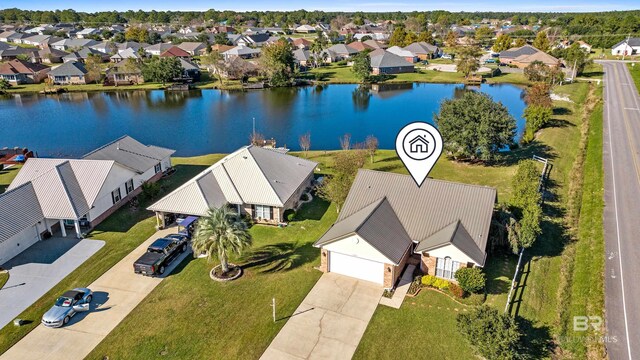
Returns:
<point x="129" y="186"/>
<point x="262" y="212"/>
<point x="158" y="168"/>
<point x="115" y="195"/>
<point x="446" y="268"/>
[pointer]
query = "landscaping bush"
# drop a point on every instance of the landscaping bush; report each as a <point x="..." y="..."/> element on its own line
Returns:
<point x="304" y="197"/>
<point x="150" y="190"/>
<point x="456" y="290"/>
<point x="290" y="215"/>
<point x="429" y="280"/>
<point x="441" y="284"/>
<point x="341" y="63"/>
<point x="415" y="286"/>
<point x="471" y="280"/>
<point x="493" y="334"/>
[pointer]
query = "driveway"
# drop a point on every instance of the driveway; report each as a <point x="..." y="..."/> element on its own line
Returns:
<point x="117" y="292"/>
<point x="39" y="268"/>
<point x="330" y="321"/>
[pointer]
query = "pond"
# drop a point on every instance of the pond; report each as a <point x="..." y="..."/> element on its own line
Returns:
<point x="211" y="121"/>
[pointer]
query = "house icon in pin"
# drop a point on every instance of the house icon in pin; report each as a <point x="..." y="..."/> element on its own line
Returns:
<point x="419" y="144"/>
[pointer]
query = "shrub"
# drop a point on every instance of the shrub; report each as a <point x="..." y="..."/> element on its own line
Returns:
<point x="494" y="335"/>
<point x="470" y="279"/>
<point x="456" y="290"/>
<point x="441" y="284"/>
<point x="150" y="190"/>
<point x="429" y="280"/>
<point x="304" y="197"/>
<point x="290" y="215"/>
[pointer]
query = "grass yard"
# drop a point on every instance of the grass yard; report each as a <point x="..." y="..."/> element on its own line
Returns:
<point x="635" y="74"/>
<point x="189" y="316"/>
<point x="122" y="232"/>
<point x="7" y="176"/>
<point x="341" y="74"/>
<point x="424" y="326"/>
<point x="4" y="277"/>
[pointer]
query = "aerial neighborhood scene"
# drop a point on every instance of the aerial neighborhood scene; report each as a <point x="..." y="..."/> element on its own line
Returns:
<point x="340" y="180"/>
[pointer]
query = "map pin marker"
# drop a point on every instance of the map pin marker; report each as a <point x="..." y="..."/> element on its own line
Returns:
<point x="419" y="145"/>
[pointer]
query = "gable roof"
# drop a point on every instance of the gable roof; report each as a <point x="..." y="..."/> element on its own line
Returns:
<point x="422" y="48"/>
<point x="19" y="209"/>
<point x="360" y="46"/>
<point x="378" y="225"/>
<point x="160" y="47"/>
<point x="425" y="210"/>
<point x="175" y="51"/>
<point x="382" y="59"/>
<point x="127" y="53"/>
<point x="453" y="234"/>
<point x="250" y="175"/>
<point x="634" y="41"/>
<point x="515" y="52"/>
<point x="343" y="49"/>
<point x="191" y="46"/>
<point x="131" y="153"/>
<point x="539" y="56"/>
<point x="69" y="68"/>
<point x="18" y="66"/>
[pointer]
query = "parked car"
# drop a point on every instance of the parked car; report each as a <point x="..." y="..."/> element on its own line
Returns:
<point x="447" y="56"/>
<point x="67" y="305"/>
<point x="160" y="254"/>
<point x="490" y="61"/>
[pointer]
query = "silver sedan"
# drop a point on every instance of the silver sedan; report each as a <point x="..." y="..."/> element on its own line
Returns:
<point x="67" y="305"/>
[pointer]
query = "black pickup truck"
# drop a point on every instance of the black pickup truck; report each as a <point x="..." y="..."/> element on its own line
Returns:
<point x="160" y="254"/>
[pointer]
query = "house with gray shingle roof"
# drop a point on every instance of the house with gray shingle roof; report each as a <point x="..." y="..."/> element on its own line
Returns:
<point x="385" y="62"/>
<point x="626" y="47"/>
<point x="387" y="219"/>
<point x="70" y="73"/>
<point x="259" y="182"/>
<point x="49" y="194"/>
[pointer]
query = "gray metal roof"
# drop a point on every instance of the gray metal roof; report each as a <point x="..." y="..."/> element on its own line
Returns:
<point x="378" y="225"/>
<point x="343" y="49"/>
<point x="383" y="59"/>
<point x="131" y="153"/>
<point x="425" y="210"/>
<point x="421" y="48"/>
<point x="250" y="175"/>
<point x="19" y="209"/>
<point x="453" y="234"/>
<point x="69" y="68"/>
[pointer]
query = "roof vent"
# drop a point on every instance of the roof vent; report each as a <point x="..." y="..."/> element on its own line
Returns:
<point x="117" y="146"/>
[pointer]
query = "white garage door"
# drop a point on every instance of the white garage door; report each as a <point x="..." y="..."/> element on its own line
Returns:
<point x="356" y="267"/>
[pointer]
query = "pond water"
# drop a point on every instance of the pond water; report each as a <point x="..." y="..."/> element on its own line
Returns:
<point x="211" y="121"/>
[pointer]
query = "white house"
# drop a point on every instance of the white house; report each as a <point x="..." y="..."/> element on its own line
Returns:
<point x="387" y="219"/>
<point x="50" y="194"/>
<point x="259" y="182"/>
<point x="626" y="47"/>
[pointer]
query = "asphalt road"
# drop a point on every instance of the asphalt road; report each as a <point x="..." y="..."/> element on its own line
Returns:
<point x="622" y="212"/>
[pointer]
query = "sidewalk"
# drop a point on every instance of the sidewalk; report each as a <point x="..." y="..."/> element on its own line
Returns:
<point x="403" y="286"/>
<point x="116" y="293"/>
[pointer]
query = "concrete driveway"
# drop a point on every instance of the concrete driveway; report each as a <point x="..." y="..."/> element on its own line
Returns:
<point x="330" y="321"/>
<point x="117" y="292"/>
<point x="39" y="268"/>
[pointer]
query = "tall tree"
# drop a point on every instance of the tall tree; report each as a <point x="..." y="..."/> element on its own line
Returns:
<point x="474" y="127"/>
<point x="503" y="42"/>
<point x="576" y="58"/>
<point x="484" y="35"/>
<point x="526" y="204"/>
<point x="362" y="66"/>
<point x="541" y="42"/>
<point x="335" y="187"/>
<point x="161" y="69"/>
<point x="426" y="36"/>
<point x="277" y="62"/>
<point x="451" y="39"/>
<point x="398" y="37"/>
<point x="94" y="71"/>
<point x="520" y="42"/>
<point x="468" y="59"/>
<point x="219" y="233"/>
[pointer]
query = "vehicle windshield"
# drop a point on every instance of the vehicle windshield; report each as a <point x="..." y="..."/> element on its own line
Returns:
<point x="64" y="302"/>
<point x="155" y="250"/>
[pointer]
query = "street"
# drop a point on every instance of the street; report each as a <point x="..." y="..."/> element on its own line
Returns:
<point x="622" y="207"/>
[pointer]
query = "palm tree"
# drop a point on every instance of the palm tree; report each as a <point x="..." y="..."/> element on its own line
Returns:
<point x="316" y="51"/>
<point x="220" y="232"/>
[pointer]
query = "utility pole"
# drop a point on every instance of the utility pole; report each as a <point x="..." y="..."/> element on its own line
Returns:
<point x="626" y="45"/>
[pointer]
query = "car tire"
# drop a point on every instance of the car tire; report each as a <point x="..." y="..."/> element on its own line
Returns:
<point x="66" y="320"/>
<point x="89" y="298"/>
<point x="161" y="270"/>
<point x="184" y="248"/>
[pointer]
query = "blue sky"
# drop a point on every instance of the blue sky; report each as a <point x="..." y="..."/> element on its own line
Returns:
<point x="330" y="5"/>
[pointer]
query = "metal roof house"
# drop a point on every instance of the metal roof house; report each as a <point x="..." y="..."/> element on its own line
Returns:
<point x="48" y="194"/>
<point x="258" y="182"/>
<point x="387" y="219"/>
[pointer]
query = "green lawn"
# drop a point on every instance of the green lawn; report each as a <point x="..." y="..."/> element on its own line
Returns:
<point x="122" y="232"/>
<point x="189" y="316"/>
<point x="341" y="74"/>
<point x="7" y="175"/>
<point x="4" y="277"/>
<point x="635" y="74"/>
<point x="425" y="327"/>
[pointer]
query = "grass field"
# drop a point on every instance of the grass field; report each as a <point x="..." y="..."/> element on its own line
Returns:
<point x="7" y="175"/>
<point x="635" y="74"/>
<point x="4" y="277"/>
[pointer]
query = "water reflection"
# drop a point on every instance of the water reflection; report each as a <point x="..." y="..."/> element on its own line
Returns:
<point x="207" y="121"/>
